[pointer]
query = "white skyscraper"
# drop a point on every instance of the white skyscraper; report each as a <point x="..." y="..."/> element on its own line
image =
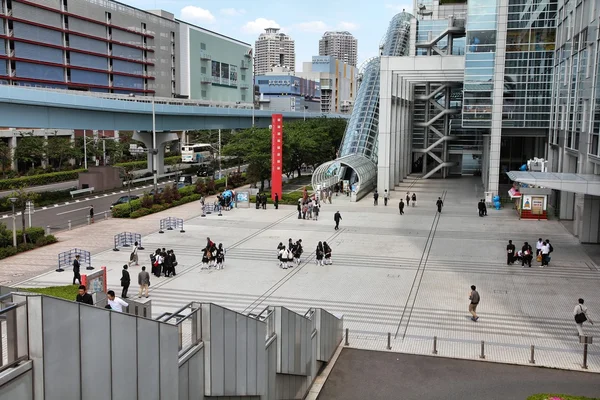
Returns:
<point x="341" y="44"/>
<point x="274" y="49"/>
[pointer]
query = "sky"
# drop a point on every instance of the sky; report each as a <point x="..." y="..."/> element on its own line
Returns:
<point x="304" y="20"/>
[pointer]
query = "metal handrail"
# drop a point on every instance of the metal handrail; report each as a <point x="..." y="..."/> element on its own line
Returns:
<point x="15" y="326"/>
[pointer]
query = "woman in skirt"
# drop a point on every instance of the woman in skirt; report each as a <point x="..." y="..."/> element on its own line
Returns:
<point x="279" y="248"/>
<point x="206" y="257"/>
<point x="327" y="251"/>
<point x="298" y="250"/>
<point x="220" y="256"/>
<point x="319" y="253"/>
<point x="283" y="258"/>
<point x="290" y="259"/>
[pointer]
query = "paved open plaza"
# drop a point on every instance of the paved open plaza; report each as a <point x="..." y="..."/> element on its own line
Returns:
<point x="406" y="275"/>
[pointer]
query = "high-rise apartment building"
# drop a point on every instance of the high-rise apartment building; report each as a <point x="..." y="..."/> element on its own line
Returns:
<point x="341" y="45"/>
<point x="274" y="49"/>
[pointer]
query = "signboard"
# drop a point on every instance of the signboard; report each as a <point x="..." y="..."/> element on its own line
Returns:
<point x="96" y="281"/>
<point x="526" y="202"/>
<point x="276" y="154"/>
<point x="242" y="199"/>
<point x="537" y="205"/>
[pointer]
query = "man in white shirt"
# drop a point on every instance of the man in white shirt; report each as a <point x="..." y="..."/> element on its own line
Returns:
<point x="545" y="254"/>
<point x="580" y="314"/>
<point x="115" y="303"/>
<point x="538" y="246"/>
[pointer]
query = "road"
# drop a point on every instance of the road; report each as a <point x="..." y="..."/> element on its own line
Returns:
<point x="374" y="375"/>
<point x="46" y="188"/>
<point x="57" y="216"/>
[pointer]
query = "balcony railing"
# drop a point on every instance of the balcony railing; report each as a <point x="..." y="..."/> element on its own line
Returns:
<point x="188" y="320"/>
<point x="205" y="56"/>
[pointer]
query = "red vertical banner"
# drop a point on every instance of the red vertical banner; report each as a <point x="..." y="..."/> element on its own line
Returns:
<point x="276" y="154"/>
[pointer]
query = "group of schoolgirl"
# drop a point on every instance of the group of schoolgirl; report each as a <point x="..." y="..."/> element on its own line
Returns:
<point x="213" y="256"/>
<point x="289" y="255"/>
<point x="323" y="254"/>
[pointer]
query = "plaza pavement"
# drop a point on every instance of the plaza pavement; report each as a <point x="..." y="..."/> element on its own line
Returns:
<point x="391" y="273"/>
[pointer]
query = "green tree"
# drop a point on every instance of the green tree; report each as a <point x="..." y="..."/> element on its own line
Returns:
<point x="253" y="146"/>
<point x="5" y="157"/>
<point x="22" y="197"/>
<point x="210" y="136"/>
<point x="59" y="149"/>
<point x="30" y="149"/>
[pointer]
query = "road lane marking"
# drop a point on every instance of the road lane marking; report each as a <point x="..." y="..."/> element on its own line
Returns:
<point x="79" y="209"/>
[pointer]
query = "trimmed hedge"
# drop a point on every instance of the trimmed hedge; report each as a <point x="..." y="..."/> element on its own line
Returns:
<point x="287" y="198"/>
<point x="144" y="163"/>
<point x="40" y="241"/>
<point x="39" y="180"/>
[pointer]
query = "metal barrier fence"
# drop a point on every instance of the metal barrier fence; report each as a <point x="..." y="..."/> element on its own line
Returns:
<point x="188" y="319"/>
<point x="524" y="354"/>
<point x="171" y="223"/>
<point x="211" y="208"/>
<point x="127" y="239"/>
<point x="14" y="346"/>
<point x="65" y="259"/>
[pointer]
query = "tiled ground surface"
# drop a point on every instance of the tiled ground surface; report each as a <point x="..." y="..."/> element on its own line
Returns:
<point x="391" y="273"/>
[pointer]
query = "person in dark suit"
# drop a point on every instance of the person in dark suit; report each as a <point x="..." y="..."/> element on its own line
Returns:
<point x="510" y="253"/>
<point x="83" y="296"/>
<point x="76" y="267"/>
<point x="276" y="201"/>
<point x="337" y="218"/>
<point x="125" y="281"/>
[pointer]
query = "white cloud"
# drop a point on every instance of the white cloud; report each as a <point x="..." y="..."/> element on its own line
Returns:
<point x="400" y="7"/>
<point x="197" y="14"/>
<point x="232" y="12"/>
<point x="259" y="25"/>
<point x="347" y="26"/>
<point x="311" y="26"/>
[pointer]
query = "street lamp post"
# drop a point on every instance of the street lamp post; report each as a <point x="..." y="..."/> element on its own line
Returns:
<point x="220" y="174"/>
<point x="84" y="150"/>
<point x="305" y="107"/>
<point x="13" y="200"/>
<point x="154" y="149"/>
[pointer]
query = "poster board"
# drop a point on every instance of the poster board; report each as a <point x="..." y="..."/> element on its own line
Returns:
<point x="242" y="199"/>
<point x="537" y="205"/>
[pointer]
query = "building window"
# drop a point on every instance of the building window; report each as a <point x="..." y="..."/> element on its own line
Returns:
<point x="203" y="94"/>
<point x="203" y="70"/>
<point x="243" y="97"/>
<point x="243" y="77"/>
<point x="202" y="46"/>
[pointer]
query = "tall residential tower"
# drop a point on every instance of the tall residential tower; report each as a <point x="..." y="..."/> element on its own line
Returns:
<point x="274" y="49"/>
<point x="340" y="44"/>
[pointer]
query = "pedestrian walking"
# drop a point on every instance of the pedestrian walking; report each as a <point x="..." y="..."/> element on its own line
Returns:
<point x="173" y="262"/>
<point x="320" y="254"/>
<point x="76" y="267"/>
<point x="125" y="281"/>
<point x="545" y="254"/>
<point x="407" y="199"/>
<point x="385" y="197"/>
<point x="480" y="206"/>
<point x="115" y="303"/>
<point x="538" y="247"/>
<point x="83" y="296"/>
<point x="220" y="256"/>
<point x="143" y="281"/>
<point x="276" y="201"/>
<point x="527" y="255"/>
<point x="581" y="316"/>
<point x="414" y="199"/>
<point x="316" y="210"/>
<point x="510" y="253"/>
<point x="327" y="251"/>
<point x="375" y="197"/>
<point x="439" y="203"/>
<point x="299" y="209"/>
<point x="337" y="217"/>
<point x="92" y="214"/>
<point x="474" y="297"/>
<point x="401" y="207"/>
<point x="133" y="257"/>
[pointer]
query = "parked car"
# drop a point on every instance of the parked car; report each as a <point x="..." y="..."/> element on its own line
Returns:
<point x="159" y="191"/>
<point x="184" y="180"/>
<point x="124" y="200"/>
<point x="205" y="171"/>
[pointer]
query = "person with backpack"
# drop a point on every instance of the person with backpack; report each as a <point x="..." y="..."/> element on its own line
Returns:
<point x="474" y="297"/>
<point x="133" y="257"/>
<point x="327" y="251"/>
<point x="581" y="316"/>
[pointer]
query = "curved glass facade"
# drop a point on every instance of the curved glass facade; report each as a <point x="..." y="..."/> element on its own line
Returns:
<point x="360" y="138"/>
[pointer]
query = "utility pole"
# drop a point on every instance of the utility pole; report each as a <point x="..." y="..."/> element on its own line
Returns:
<point x="84" y="150"/>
